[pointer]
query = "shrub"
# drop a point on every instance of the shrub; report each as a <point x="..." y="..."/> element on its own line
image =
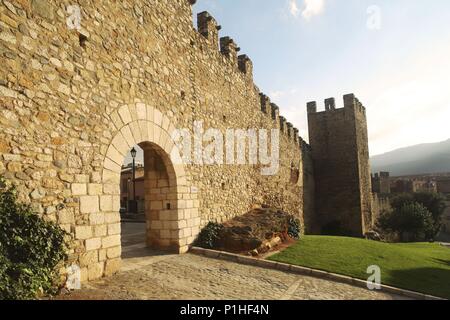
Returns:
<point x="209" y="236"/>
<point x="433" y="202"/>
<point x="294" y="228"/>
<point x="30" y="249"/>
<point x="412" y="222"/>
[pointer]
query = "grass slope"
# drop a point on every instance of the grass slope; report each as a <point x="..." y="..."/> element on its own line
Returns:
<point x="421" y="267"/>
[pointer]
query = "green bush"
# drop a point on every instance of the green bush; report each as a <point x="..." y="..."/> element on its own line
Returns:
<point x="31" y="249"/>
<point x="209" y="236"/>
<point x="294" y="228"/>
<point x="412" y="222"/>
<point x="433" y="202"/>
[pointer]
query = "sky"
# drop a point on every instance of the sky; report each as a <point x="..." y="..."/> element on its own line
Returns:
<point x="393" y="54"/>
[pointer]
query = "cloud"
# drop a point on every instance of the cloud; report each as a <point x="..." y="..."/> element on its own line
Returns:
<point x="312" y="8"/>
<point x="293" y="8"/>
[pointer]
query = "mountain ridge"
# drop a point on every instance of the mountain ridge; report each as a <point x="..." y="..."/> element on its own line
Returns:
<point x="425" y="158"/>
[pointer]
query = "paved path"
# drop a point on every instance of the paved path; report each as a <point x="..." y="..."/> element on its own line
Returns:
<point x="151" y="275"/>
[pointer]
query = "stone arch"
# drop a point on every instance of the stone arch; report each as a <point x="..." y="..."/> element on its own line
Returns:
<point x="172" y="208"/>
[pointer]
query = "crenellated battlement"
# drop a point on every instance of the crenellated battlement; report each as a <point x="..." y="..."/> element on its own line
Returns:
<point x="350" y="102"/>
<point x="208" y="27"/>
<point x="229" y="49"/>
<point x="275" y="113"/>
<point x="290" y="130"/>
<point x="330" y="104"/>
<point x="296" y="137"/>
<point x="246" y="66"/>
<point x="312" y="107"/>
<point x="283" y="127"/>
<point x="265" y="104"/>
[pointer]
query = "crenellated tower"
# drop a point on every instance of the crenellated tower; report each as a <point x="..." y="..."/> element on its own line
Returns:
<point x="340" y="152"/>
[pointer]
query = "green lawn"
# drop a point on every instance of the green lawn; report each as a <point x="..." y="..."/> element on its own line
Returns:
<point x="421" y="267"/>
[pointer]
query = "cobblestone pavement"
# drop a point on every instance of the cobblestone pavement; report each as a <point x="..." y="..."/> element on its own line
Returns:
<point x="148" y="274"/>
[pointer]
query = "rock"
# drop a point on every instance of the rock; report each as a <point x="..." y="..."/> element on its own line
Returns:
<point x="373" y="235"/>
<point x="43" y="8"/>
<point x="14" y="167"/>
<point x="36" y="194"/>
<point x="275" y="241"/>
<point x="22" y="176"/>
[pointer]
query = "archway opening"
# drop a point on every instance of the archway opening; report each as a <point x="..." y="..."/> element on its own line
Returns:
<point x="150" y="214"/>
<point x="132" y="201"/>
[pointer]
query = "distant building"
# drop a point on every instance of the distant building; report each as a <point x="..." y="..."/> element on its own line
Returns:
<point x="443" y="185"/>
<point x="381" y="183"/>
<point x="126" y="187"/>
<point x="402" y="185"/>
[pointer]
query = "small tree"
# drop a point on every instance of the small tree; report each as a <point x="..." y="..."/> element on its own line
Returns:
<point x="433" y="202"/>
<point x="31" y="249"/>
<point x="411" y="219"/>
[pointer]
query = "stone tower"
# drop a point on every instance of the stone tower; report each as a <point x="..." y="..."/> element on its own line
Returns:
<point x="340" y="152"/>
<point x="381" y="183"/>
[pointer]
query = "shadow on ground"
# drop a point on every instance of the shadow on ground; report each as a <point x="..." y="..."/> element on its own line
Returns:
<point x="432" y="281"/>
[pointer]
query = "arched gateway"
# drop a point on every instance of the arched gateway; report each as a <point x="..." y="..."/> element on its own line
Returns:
<point x="171" y="207"/>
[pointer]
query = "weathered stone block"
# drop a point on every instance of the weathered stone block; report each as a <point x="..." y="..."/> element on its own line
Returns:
<point x="106" y="203"/>
<point x="89" y="204"/>
<point x="114" y="252"/>
<point x="112" y="217"/>
<point x="100" y="231"/>
<point x="112" y="267"/>
<point x="93" y="244"/>
<point x="95" y="189"/>
<point x="95" y="271"/>
<point x="114" y="229"/>
<point x="66" y="217"/>
<point x="125" y="114"/>
<point x="111" y="241"/>
<point x="96" y="219"/>
<point x="83" y="232"/>
<point x="43" y="8"/>
<point x="88" y="258"/>
<point x="79" y="189"/>
<point x="111" y="189"/>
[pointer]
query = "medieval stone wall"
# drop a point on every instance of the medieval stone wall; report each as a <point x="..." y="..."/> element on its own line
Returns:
<point x="73" y="102"/>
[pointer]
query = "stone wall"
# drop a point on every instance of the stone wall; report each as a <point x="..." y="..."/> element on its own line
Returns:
<point x="339" y="142"/>
<point x="381" y="204"/>
<point x="74" y="102"/>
